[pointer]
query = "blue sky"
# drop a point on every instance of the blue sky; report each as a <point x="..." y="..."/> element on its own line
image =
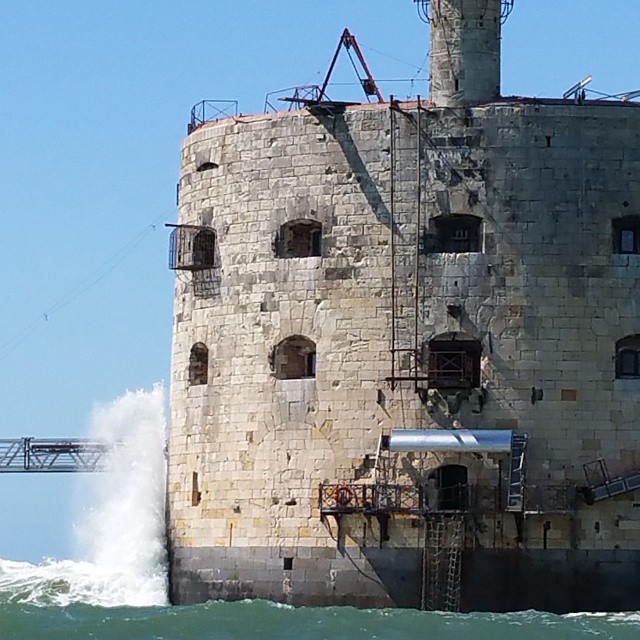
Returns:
<point x="94" y="103"/>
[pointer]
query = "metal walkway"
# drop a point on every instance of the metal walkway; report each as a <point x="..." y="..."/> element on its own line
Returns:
<point x="36" y="455"/>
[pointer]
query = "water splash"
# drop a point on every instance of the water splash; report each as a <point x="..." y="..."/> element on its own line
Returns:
<point x="121" y="535"/>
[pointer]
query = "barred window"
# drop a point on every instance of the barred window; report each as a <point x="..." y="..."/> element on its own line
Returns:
<point x="457" y="234"/>
<point x="454" y="363"/>
<point x="192" y="248"/>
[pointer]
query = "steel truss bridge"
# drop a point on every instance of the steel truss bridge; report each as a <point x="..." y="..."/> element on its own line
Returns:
<point x="37" y="455"/>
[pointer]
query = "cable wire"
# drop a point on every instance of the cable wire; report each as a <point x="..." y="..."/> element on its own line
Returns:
<point x="74" y="293"/>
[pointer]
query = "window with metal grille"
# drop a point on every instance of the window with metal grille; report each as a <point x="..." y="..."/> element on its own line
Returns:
<point x="457" y="234"/>
<point x="198" y="364"/>
<point x="628" y="357"/>
<point x="192" y="248"/>
<point x="626" y="235"/>
<point x="295" y="357"/>
<point x="454" y="364"/>
<point x="300" y="239"/>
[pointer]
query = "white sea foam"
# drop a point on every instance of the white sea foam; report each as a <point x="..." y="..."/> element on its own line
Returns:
<point x="121" y="530"/>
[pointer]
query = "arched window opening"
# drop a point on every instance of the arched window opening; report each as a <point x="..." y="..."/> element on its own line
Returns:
<point x="300" y="239"/>
<point x="198" y="364"/>
<point x="448" y="488"/>
<point x="204" y="249"/>
<point x="626" y="235"/>
<point x="192" y="248"/>
<point x="294" y="358"/>
<point x="205" y="166"/>
<point x="454" y="362"/>
<point x="628" y="357"/>
<point x="457" y="234"/>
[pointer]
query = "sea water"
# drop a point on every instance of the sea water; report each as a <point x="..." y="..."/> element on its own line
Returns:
<point x="118" y="589"/>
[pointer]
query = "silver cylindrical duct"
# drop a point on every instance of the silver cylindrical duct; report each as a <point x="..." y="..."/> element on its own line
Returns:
<point x="462" y="440"/>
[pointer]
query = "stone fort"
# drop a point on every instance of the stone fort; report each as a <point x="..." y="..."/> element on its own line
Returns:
<point x="406" y="347"/>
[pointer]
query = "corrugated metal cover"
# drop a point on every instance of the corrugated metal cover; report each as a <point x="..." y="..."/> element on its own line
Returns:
<point x="463" y="440"/>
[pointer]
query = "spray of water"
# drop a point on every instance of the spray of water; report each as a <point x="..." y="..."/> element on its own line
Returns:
<point x="121" y="534"/>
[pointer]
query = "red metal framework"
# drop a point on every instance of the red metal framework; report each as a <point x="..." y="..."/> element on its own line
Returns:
<point x="348" y="41"/>
<point x="383" y="498"/>
<point x="314" y="94"/>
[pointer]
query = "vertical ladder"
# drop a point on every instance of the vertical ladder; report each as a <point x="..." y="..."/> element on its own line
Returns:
<point x="442" y="562"/>
<point x="454" y="565"/>
<point x="405" y="205"/>
<point x="515" y="496"/>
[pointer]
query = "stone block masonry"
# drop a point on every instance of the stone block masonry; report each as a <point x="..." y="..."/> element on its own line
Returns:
<point x="544" y="295"/>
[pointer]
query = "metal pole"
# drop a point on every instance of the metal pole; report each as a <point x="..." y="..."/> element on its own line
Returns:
<point x="392" y="227"/>
<point x="417" y="256"/>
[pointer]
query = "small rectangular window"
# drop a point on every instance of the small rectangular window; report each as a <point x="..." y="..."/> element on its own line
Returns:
<point x="627" y="241"/>
<point x="628" y="363"/>
<point x="287" y="564"/>
<point x="316" y="243"/>
<point x="196" y="496"/>
<point x="311" y="365"/>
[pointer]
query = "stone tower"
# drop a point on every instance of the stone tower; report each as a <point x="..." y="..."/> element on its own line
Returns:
<point x="405" y="339"/>
<point x="465" y="51"/>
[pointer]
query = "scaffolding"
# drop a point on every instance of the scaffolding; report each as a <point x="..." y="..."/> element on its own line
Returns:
<point x="31" y="455"/>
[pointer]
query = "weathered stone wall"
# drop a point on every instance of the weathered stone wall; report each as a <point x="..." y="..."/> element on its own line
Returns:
<point x="465" y="51"/>
<point x="546" y="298"/>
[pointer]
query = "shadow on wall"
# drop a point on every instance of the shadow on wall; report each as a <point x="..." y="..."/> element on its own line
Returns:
<point x="336" y="125"/>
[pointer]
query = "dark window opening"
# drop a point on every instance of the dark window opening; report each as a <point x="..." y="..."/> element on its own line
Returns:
<point x="300" y="239"/>
<point x="196" y="496"/>
<point x="628" y="357"/>
<point x="457" y="234"/>
<point x="287" y="564"/>
<point x="454" y="364"/>
<point x="192" y="248"/>
<point x="204" y="249"/>
<point x="448" y="488"/>
<point x="295" y="357"/>
<point x="626" y="235"/>
<point x="205" y="166"/>
<point x="198" y="364"/>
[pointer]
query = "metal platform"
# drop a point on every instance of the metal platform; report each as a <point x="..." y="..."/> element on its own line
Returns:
<point x="36" y="455"/>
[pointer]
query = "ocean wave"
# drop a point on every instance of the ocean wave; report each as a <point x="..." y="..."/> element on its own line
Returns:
<point x="64" y="582"/>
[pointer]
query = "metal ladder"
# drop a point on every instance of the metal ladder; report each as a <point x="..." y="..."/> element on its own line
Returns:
<point x="515" y="497"/>
<point x="442" y="562"/>
<point x="405" y="220"/>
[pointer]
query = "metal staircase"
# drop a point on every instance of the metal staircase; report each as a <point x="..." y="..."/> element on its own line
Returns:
<point x="442" y="562"/>
<point x="515" y="496"/>
<point x="601" y="486"/>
